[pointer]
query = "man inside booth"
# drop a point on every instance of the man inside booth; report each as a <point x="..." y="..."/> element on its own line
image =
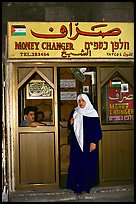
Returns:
<point x="29" y="118"/>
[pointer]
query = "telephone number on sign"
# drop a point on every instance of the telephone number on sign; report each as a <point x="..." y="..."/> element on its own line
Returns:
<point x="28" y="54"/>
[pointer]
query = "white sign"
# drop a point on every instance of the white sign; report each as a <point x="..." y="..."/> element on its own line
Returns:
<point x="68" y="95"/>
<point x="38" y="89"/>
<point x="67" y="83"/>
<point x="124" y="87"/>
<point x="85" y="89"/>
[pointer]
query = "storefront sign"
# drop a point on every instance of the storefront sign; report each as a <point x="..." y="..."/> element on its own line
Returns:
<point x="67" y="40"/>
<point x="120" y="103"/>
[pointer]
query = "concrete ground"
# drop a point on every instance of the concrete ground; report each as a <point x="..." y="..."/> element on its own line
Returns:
<point x="97" y="194"/>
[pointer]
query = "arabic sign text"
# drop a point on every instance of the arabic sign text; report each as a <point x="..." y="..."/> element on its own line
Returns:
<point x="120" y="105"/>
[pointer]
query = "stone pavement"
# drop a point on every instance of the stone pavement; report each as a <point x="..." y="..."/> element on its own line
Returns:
<point x="97" y="194"/>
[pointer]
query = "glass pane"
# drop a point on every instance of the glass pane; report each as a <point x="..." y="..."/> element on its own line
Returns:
<point x="117" y="101"/>
<point x="38" y="93"/>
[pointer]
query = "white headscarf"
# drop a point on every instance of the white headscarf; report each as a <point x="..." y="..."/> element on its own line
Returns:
<point x="88" y="111"/>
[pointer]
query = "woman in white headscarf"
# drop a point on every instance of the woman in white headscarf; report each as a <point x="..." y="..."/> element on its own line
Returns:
<point x="84" y="125"/>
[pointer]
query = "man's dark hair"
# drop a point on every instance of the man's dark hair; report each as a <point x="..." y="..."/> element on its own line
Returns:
<point x="40" y="112"/>
<point x="30" y="108"/>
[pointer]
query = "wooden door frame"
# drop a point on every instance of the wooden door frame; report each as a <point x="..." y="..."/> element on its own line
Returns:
<point x="12" y="122"/>
<point x="107" y="127"/>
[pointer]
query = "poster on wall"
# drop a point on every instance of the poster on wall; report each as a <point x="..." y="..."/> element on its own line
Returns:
<point x="67" y="83"/>
<point x="120" y="102"/>
<point x="68" y="95"/>
<point x="38" y="89"/>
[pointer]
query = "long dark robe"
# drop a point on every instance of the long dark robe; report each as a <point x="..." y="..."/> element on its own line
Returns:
<point x="83" y="167"/>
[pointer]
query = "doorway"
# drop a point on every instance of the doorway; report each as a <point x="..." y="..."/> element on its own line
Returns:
<point x="69" y="87"/>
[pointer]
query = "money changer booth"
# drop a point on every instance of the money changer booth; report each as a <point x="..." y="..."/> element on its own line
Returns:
<point x="48" y="64"/>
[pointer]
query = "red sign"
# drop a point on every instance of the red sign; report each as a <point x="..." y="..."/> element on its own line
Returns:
<point x="120" y="104"/>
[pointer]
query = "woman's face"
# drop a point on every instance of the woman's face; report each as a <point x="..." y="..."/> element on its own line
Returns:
<point x="82" y="103"/>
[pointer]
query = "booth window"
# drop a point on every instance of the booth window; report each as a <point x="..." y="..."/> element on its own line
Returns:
<point x="117" y="101"/>
<point x="36" y="92"/>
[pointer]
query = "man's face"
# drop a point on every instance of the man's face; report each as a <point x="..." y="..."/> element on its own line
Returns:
<point x="30" y="116"/>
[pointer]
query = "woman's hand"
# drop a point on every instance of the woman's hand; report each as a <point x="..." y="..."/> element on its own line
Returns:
<point x="92" y="146"/>
<point x="72" y="121"/>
